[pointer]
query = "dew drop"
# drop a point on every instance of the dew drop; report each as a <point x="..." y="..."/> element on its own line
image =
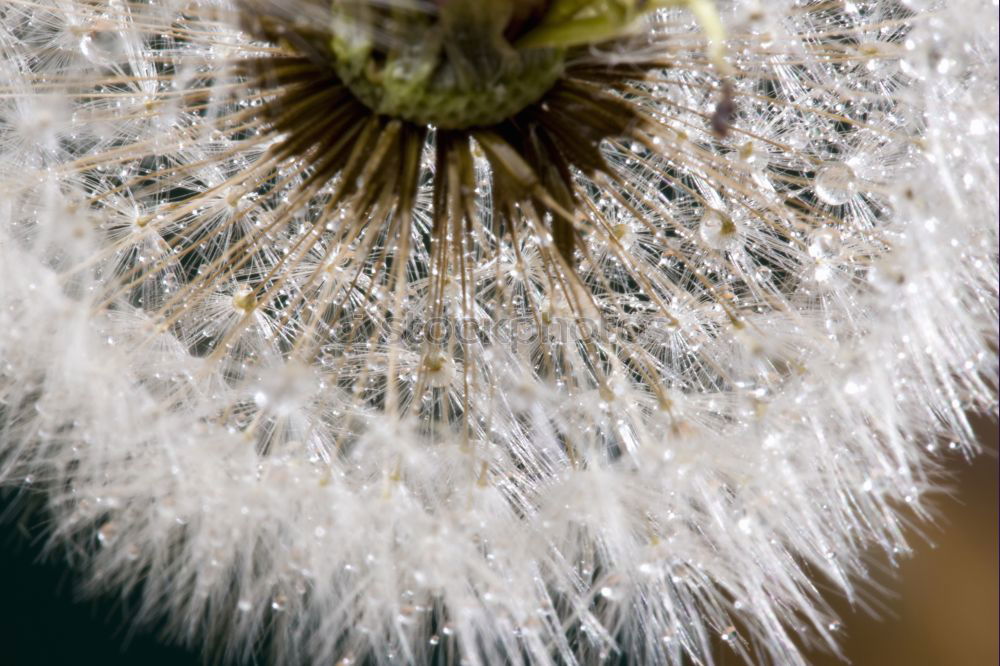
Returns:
<point x="624" y="235"/>
<point x="101" y="43"/>
<point x="825" y="243"/>
<point x="754" y="156"/>
<point x="439" y="369"/>
<point x="244" y="300"/>
<point x="244" y="605"/>
<point x="106" y="534"/>
<point x="835" y="184"/>
<point x="718" y="232"/>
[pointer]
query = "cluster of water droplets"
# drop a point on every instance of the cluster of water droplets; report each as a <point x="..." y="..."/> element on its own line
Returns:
<point x="680" y="392"/>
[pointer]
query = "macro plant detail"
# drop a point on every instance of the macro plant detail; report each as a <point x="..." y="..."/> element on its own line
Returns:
<point x="522" y="331"/>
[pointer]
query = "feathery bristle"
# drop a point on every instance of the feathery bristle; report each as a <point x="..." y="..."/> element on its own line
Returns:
<point x="633" y="367"/>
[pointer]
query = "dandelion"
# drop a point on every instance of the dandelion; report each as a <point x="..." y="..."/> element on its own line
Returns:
<point x="532" y="332"/>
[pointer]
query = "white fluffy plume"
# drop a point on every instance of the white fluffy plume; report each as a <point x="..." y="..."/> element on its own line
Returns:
<point x="764" y="356"/>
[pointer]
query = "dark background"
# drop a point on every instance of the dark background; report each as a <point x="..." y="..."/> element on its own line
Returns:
<point x="944" y="612"/>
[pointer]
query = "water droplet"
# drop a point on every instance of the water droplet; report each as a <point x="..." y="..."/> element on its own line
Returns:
<point x="439" y="369"/>
<point x="718" y="232"/>
<point x="101" y="45"/>
<point x="434" y="640"/>
<point x="244" y="605"/>
<point x="106" y="534"/>
<point x="244" y="300"/>
<point x="835" y="184"/>
<point x="279" y="603"/>
<point x="825" y="243"/>
<point x="754" y="155"/>
<point x="624" y="234"/>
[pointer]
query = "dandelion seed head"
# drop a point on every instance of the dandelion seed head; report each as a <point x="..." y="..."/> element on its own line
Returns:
<point x="623" y="363"/>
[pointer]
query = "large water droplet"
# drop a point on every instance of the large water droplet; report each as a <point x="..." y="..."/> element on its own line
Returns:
<point x="824" y="243"/>
<point x="754" y="155"/>
<point x="439" y="369"/>
<point x="101" y="44"/>
<point x="835" y="184"/>
<point x="718" y="232"/>
<point x="244" y="299"/>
